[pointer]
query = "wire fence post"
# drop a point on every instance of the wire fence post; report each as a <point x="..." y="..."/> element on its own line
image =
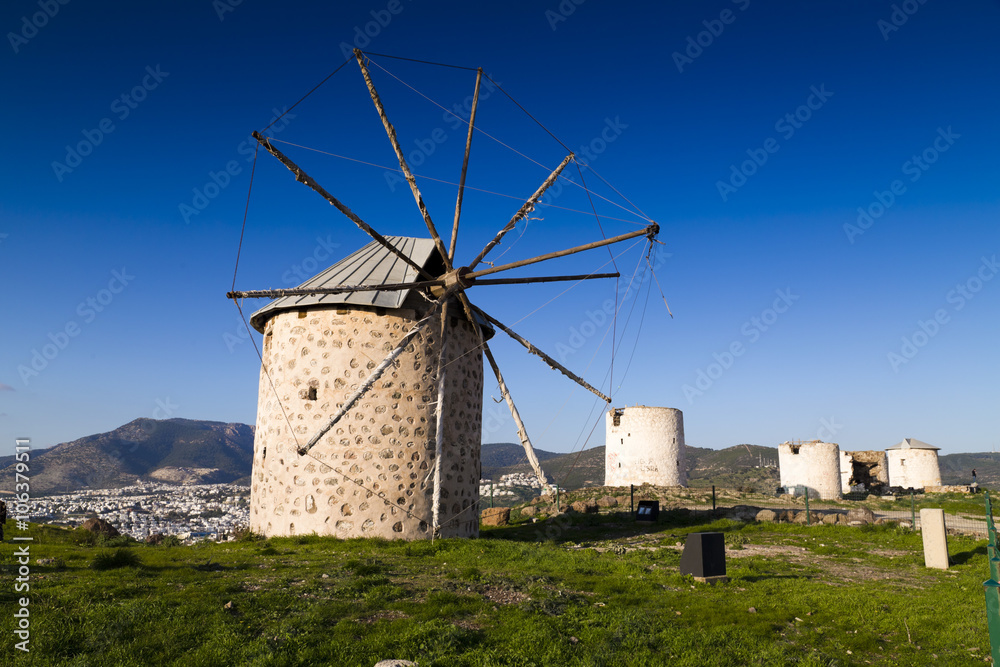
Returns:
<point x="991" y="589"/>
<point x="991" y="546"/>
<point x="913" y="511"/>
<point x="631" y="499"/>
<point x="713" y="497"/>
<point x="491" y="495"/>
<point x="557" y="499"/>
<point x="805" y="492"/>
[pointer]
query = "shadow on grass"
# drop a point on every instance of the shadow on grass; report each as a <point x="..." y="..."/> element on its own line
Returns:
<point x="619" y="525"/>
<point x="966" y="556"/>
<point x="753" y="578"/>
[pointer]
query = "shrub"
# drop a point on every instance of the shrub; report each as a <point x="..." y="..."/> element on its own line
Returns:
<point x="170" y="541"/>
<point x="121" y="557"/>
<point x="84" y="537"/>
<point x="244" y="534"/>
<point x="117" y="541"/>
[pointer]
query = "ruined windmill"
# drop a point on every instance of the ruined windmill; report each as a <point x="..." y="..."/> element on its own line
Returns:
<point x="370" y="399"/>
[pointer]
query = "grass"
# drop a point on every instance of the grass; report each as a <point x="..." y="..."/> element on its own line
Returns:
<point x="590" y="590"/>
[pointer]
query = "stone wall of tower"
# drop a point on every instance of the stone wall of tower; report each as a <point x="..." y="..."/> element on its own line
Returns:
<point x="372" y="474"/>
<point x="814" y="465"/>
<point x="914" y="468"/>
<point x="644" y="445"/>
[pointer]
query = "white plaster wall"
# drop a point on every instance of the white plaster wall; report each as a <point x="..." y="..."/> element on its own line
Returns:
<point x="816" y="466"/>
<point x="371" y="475"/>
<point x="646" y="447"/>
<point x="913" y="468"/>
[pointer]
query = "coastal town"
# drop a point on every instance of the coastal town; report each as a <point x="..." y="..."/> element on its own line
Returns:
<point x="204" y="511"/>
<point x="197" y="512"/>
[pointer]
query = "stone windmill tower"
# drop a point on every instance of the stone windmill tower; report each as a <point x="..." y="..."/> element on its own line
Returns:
<point x="369" y="407"/>
<point x="370" y="475"/>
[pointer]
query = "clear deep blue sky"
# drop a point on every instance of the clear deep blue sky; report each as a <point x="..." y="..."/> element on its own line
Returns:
<point x="754" y="150"/>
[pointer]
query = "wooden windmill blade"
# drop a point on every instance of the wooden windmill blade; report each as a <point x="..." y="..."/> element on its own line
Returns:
<point x="410" y="179"/>
<point x="395" y="273"/>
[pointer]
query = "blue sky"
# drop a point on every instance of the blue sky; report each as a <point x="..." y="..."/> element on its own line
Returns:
<point x="824" y="175"/>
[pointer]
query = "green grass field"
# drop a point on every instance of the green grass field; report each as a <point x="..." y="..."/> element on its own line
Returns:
<point x="587" y="590"/>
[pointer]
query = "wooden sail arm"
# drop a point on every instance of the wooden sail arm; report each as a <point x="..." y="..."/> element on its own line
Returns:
<point x="649" y="231"/>
<point x="391" y="132"/>
<point x="439" y="425"/>
<point x="345" y="289"/>
<point x="395" y="287"/>
<point x="522" y="432"/>
<point x="377" y="372"/>
<point x="555" y="365"/>
<point x="523" y="211"/>
<point x="302" y="177"/>
<point x="465" y="168"/>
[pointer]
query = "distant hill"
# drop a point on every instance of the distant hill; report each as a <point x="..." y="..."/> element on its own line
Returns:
<point x="734" y="466"/>
<point x="171" y="450"/>
<point x="507" y="454"/>
<point x="957" y="468"/>
<point x="190" y="451"/>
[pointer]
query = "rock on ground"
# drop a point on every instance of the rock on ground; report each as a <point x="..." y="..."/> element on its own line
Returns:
<point x="584" y="507"/>
<point x="529" y="510"/>
<point x="766" y="515"/>
<point x="608" y="501"/>
<point x="101" y="526"/>
<point x="860" y="515"/>
<point x="496" y="516"/>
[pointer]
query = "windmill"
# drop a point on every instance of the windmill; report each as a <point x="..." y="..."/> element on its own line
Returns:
<point x="351" y="435"/>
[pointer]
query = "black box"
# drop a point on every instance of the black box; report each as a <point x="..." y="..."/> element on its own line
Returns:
<point x="704" y="555"/>
<point x="648" y="510"/>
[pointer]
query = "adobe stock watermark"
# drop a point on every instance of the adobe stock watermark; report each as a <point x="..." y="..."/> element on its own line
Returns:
<point x="364" y="34"/>
<point x="563" y="11"/>
<point x="121" y="107"/>
<point x="593" y="319"/>
<point x="900" y="14"/>
<point x="219" y="180"/>
<point x="828" y="428"/>
<point x="20" y="508"/>
<point x="31" y="25"/>
<point x="958" y="297"/>
<point x="590" y="151"/>
<point x="223" y="7"/>
<point x="454" y="118"/>
<point x="87" y="311"/>
<point x="914" y="168"/>
<point x="297" y="274"/>
<point x="752" y="329"/>
<point x="165" y="409"/>
<point x="787" y="126"/>
<point x="714" y="28"/>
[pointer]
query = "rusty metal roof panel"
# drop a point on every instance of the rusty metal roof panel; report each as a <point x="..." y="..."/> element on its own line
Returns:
<point x="371" y="265"/>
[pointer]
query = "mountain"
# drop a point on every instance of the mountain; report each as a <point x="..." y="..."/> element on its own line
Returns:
<point x="957" y="468"/>
<point x="169" y="450"/>
<point x="734" y="466"/>
<point x="186" y="451"/>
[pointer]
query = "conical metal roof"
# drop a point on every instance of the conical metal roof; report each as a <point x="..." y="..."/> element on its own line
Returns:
<point x="371" y="265"/>
<point x="913" y="443"/>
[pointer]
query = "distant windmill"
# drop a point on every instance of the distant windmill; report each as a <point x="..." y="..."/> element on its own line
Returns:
<point x="370" y="399"/>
